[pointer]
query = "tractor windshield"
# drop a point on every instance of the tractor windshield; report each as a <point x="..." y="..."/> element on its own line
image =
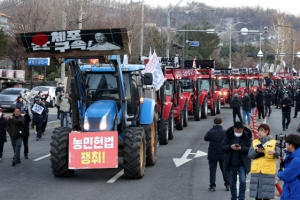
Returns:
<point x="169" y="90"/>
<point x="224" y="83"/>
<point x="286" y="81"/>
<point x="279" y="82"/>
<point x="255" y="82"/>
<point x="101" y="85"/>
<point x="204" y="84"/>
<point x="186" y="85"/>
<point x="242" y="83"/>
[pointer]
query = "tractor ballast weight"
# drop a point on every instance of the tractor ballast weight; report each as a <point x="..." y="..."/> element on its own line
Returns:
<point x="106" y="100"/>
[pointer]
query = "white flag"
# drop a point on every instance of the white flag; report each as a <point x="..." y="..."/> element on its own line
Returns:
<point x="272" y="68"/>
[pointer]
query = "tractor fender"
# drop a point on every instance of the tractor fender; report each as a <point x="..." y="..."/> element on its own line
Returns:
<point x="182" y="102"/>
<point x="147" y="111"/>
<point x="201" y="98"/>
<point x="216" y="96"/>
<point x="166" y="110"/>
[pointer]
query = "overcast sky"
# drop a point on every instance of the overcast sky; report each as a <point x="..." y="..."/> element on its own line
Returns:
<point x="287" y="6"/>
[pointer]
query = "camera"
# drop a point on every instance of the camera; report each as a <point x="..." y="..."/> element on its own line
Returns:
<point x="280" y="137"/>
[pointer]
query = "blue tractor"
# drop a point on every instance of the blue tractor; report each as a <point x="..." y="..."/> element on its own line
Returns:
<point x="110" y="97"/>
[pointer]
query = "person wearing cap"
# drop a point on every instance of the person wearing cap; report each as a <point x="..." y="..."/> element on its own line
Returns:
<point x="38" y="119"/>
<point x="246" y="108"/>
<point x="236" y="145"/>
<point x="2" y="133"/>
<point x="297" y="99"/>
<point x="215" y="154"/>
<point x="286" y="104"/>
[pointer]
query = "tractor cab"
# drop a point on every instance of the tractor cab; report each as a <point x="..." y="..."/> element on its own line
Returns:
<point x="224" y="83"/>
<point x="240" y="82"/>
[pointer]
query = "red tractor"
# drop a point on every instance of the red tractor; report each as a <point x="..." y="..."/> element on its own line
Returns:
<point x="287" y="78"/>
<point x="207" y="86"/>
<point x="224" y="84"/>
<point x="240" y="82"/>
<point x="256" y="81"/>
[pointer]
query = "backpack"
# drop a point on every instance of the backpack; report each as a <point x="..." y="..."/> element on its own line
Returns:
<point x="236" y="104"/>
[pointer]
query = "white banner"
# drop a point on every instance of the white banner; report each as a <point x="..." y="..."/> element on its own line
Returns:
<point x="37" y="108"/>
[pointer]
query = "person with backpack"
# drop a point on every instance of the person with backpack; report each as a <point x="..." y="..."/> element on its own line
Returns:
<point x="291" y="174"/>
<point x="260" y="104"/>
<point x="236" y="106"/>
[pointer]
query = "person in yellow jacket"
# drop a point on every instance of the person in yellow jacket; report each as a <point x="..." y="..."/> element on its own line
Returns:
<point x="263" y="153"/>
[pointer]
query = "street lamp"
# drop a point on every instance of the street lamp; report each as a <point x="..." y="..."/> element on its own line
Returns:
<point x="230" y="40"/>
<point x="260" y="53"/>
<point x="168" y="29"/>
<point x="186" y="21"/>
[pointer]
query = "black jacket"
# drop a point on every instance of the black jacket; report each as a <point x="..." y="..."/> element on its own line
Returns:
<point x="288" y="103"/>
<point x="246" y="140"/>
<point x="215" y="137"/>
<point x="59" y="89"/>
<point x="3" y="121"/>
<point x="40" y="117"/>
<point x="26" y="124"/>
<point x="260" y="99"/>
<point x="268" y="98"/>
<point x="297" y="99"/>
<point x="236" y="104"/>
<point x="246" y="103"/>
<point x="252" y="101"/>
<point x="15" y="126"/>
<point x="268" y="82"/>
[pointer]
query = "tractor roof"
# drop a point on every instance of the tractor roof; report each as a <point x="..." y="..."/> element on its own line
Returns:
<point x="110" y="68"/>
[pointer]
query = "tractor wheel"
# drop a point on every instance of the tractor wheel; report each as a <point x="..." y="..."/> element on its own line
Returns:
<point x="151" y="141"/>
<point x="134" y="159"/>
<point x="171" y="125"/>
<point x="219" y="106"/>
<point x="214" y="109"/>
<point x="59" y="153"/>
<point x="179" y="125"/>
<point x="197" y="113"/>
<point x="204" y="109"/>
<point x="163" y="132"/>
<point x="185" y="116"/>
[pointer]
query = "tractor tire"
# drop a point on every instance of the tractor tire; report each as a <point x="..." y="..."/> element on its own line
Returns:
<point x="197" y="113"/>
<point x="204" y="109"/>
<point x="185" y="116"/>
<point x="163" y="132"/>
<point x="59" y="153"/>
<point x="151" y="141"/>
<point x="171" y="125"/>
<point x="213" y="111"/>
<point x="179" y="125"/>
<point x="219" y="106"/>
<point x="134" y="160"/>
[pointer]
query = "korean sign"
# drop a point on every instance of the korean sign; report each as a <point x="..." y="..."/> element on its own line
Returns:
<point x="38" y="62"/>
<point x="93" y="150"/>
<point x="70" y="43"/>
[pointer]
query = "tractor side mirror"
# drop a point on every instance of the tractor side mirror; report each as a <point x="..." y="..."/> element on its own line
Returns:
<point x="148" y="78"/>
<point x="168" y="86"/>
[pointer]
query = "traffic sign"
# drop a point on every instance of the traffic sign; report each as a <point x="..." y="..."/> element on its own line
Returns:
<point x="194" y="44"/>
<point x="281" y="54"/>
<point x="260" y="54"/>
<point x="38" y="62"/>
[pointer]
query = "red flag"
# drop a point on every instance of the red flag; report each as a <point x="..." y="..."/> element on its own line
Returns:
<point x="194" y="63"/>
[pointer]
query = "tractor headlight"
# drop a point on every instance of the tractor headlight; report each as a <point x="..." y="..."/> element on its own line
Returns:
<point x="103" y="123"/>
<point x="86" y="124"/>
<point x="225" y="93"/>
<point x="254" y="90"/>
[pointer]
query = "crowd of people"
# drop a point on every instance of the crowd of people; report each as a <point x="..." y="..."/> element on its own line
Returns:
<point x="18" y="124"/>
<point x="238" y="154"/>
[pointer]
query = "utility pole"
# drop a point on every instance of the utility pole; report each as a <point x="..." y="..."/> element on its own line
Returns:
<point x="142" y="29"/>
<point x="80" y="15"/>
<point x="292" y="53"/>
<point x="63" y="27"/>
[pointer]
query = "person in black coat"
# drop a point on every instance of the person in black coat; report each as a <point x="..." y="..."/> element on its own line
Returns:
<point x="260" y="104"/>
<point x="38" y="119"/>
<point x="286" y="104"/>
<point x="268" y="102"/>
<point x="268" y="82"/>
<point x="252" y="103"/>
<point x="236" y="108"/>
<point x="26" y="134"/>
<point x="236" y="145"/>
<point x="246" y="107"/>
<point x="2" y="133"/>
<point x="297" y="99"/>
<point x="215" y="154"/>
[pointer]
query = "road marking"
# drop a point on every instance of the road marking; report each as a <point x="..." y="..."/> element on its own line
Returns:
<point x="53" y="121"/>
<point x="118" y="175"/>
<point x="42" y="157"/>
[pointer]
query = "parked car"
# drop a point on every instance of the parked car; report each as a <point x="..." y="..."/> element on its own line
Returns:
<point x="9" y="96"/>
<point x="44" y="90"/>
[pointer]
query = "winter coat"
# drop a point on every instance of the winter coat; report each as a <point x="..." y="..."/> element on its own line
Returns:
<point x="245" y="143"/>
<point x="26" y="124"/>
<point x="59" y="89"/>
<point x="19" y="104"/>
<point x="65" y="104"/>
<point x="246" y="103"/>
<point x="215" y="137"/>
<point x="15" y="126"/>
<point x="260" y="99"/>
<point x="39" y="117"/>
<point x="252" y="101"/>
<point x="291" y="176"/>
<point x="297" y="99"/>
<point x="268" y="82"/>
<point x="3" y="122"/>
<point x="268" y="99"/>
<point x="236" y="104"/>
<point x="288" y="103"/>
<point x="262" y="185"/>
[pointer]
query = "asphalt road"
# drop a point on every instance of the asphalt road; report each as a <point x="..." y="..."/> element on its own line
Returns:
<point x="32" y="179"/>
